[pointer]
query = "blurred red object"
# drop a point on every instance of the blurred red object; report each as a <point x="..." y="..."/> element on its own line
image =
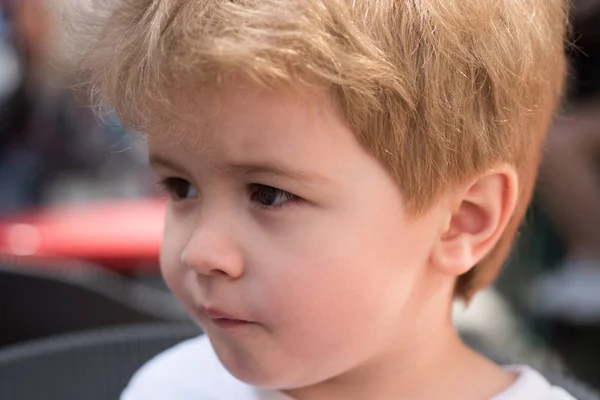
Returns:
<point x="121" y="235"/>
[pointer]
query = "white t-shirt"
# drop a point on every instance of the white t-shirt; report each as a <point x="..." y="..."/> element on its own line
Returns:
<point x="192" y="371"/>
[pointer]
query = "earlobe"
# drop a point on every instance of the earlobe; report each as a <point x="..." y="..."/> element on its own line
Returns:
<point x="476" y="220"/>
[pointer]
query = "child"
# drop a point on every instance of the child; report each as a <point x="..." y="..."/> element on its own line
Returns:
<point x="339" y="171"/>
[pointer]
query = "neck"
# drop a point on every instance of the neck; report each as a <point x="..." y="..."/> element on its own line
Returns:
<point x="430" y="351"/>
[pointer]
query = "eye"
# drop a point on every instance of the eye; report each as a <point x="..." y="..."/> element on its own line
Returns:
<point x="179" y="189"/>
<point x="270" y="197"/>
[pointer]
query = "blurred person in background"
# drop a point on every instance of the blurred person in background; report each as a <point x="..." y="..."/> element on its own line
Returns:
<point x="34" y="136"/>
<point x="569" y="182"/>
<point x="53" y="149"/>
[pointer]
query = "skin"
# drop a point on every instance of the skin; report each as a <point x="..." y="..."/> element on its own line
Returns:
<point x="348" y="295"/>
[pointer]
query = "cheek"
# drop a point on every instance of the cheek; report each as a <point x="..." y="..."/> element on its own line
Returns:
<point x="327" y="283"/>
<point x="172" y="246"/>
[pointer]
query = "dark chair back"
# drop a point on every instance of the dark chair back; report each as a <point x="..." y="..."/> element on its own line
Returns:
<point x="40" y="302"/>
<point x="93" y="365"/>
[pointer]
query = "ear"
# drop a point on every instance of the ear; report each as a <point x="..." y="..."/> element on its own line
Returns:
<point x="477" y="215"/>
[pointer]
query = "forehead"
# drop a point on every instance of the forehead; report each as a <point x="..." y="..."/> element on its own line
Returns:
<point x="239" y="121"/>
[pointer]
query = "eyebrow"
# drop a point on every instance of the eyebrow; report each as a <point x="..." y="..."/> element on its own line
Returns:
<point x="157" y="160"/>
<point x="257" y="168"/>
<point x="276" y="169"/>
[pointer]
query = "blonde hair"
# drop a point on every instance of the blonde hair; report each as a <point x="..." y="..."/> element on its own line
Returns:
<point x="437" y="90"/>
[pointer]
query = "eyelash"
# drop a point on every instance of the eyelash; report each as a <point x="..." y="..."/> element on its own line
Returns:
<point x="171" y="186"/>
<point x="288" y="197"/>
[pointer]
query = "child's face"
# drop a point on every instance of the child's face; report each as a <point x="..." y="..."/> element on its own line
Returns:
<point x="280" y="218"/>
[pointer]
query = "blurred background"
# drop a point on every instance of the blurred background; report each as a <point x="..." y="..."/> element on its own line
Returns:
<point x="81" y="219"/>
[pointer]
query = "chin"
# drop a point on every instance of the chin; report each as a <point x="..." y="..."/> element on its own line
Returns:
<point x="260" y="372"/>
<point x="256" y="373"/>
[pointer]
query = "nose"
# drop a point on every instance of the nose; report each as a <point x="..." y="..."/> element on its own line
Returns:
<point x="212" y="250"/>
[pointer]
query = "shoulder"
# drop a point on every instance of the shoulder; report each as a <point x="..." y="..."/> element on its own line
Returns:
<point x="189" y="370"/>
<point x="531" y="385"/>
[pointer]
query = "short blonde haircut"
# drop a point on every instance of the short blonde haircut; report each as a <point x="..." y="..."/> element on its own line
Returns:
<point x="437" y="90"/>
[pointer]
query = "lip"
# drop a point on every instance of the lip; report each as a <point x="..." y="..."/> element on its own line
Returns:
<point x="223" y="320"/>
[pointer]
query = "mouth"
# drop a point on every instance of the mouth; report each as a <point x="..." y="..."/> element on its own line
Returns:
<point x="223" y="320"/>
